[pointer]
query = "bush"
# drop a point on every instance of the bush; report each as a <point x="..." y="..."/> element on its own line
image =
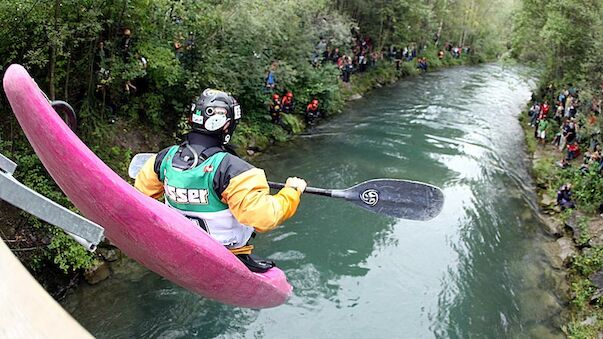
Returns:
<point x="293" y="123"/>
<point x="589" y="262"/>
<point x="68" y="254"/>
<point x="578" y="330"/>
<point x="586" y="187"/>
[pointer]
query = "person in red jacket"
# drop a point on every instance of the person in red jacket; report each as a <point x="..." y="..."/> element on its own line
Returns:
<point x="573" y="151"/>
<point x="287" y="103"/>
<point x="544" y="110"/>
<point x="312" y="112"/>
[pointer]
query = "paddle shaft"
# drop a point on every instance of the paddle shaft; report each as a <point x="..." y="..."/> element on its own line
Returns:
<point x="394" y="197"/>
<point x="310" y="190"/>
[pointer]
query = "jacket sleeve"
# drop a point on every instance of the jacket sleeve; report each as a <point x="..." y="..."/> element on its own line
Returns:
<point x="147" y="180"/>
<point x="248" y="198"/>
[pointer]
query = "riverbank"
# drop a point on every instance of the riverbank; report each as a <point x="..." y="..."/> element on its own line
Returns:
<point x="256" y="135"/>
<point x="577" y="248"/>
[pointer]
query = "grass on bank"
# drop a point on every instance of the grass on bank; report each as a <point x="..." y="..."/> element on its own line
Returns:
<point x="586" y="318"/>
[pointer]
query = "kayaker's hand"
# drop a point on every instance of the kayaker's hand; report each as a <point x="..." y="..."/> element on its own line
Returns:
<point x="297" y="183"/>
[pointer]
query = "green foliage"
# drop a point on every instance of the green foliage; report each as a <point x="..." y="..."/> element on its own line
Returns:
<point x="148" y="108"/>
<point x="254" y="134"/>
<point x="531" y="144"/>
<point x="564" y="28"/>
<point x="294" y="123"/>
<point x="584" y="233"/>
<point x="579" y="330"/>
<point x="408" y="68"/>
<point x="566" y="215"/>
<point x="582" y="290"/>
<point x="547" y="172"/>
<point x="279" y="134"/>
<point x="165" y="70"/>
<point x="561" y="34"/>
<point x="586" y="187"/>
<point x="384" y="73"/>
<point x="235" y="43"/>
<point x="482" y="24"/>
<point x="63" y="250"/>
<point x="68" y="254"/>
<point x="565" y="37"/>
<point x="589" y="262"/>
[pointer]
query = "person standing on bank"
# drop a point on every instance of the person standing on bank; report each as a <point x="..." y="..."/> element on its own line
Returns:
<point x="312" y="112"/>
<point x="204" y="180"/>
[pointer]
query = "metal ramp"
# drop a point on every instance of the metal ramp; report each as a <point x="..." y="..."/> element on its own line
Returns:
<point x="82" y="230"/>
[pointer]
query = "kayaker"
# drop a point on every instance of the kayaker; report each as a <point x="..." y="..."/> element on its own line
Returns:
<point x="204" y="180"/>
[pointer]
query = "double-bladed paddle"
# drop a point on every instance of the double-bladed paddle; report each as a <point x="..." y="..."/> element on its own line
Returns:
<point x="394" y="197"/>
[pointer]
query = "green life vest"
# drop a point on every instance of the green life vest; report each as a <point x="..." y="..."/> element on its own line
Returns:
<point x="192" y="190"/>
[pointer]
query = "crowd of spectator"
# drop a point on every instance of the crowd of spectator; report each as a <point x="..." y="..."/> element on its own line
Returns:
<point x="358" y="57"/>
<point x="572" y="129"/>
<point x="456" y="51"/>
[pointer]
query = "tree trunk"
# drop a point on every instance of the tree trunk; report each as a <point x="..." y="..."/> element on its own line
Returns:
<point x="466" y="17"/>
<point x="381" y="32"/>
<point x="118" y="28"/>
<point x="439" y="34"/>
<point x="441" y="26"/>
<point x="53" y="53"/>
<point x="91" y="79"/>
<point x="66" y="95"/>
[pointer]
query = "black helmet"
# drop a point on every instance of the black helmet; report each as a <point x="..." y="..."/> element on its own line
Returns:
<point x="215" y="113"/>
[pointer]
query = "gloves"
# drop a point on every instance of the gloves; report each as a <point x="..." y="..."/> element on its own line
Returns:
<point x="296" y="183"/>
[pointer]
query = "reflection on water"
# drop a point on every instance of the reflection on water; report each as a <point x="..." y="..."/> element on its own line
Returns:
<point x="476" y="270"/>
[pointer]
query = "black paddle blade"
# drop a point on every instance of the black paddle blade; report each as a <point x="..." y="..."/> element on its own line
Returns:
<point x="397" y="198"/>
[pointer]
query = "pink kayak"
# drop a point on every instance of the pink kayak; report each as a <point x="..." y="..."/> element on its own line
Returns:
<point x="144" y="229"/>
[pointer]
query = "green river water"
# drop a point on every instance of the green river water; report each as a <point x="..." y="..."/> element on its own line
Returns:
<point x="476" y="271"/>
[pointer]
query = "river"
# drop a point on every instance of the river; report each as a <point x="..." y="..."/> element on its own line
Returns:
<point x="476" y="270"/>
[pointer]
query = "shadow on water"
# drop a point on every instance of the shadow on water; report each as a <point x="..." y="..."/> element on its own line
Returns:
<point x="474" y="271"/>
